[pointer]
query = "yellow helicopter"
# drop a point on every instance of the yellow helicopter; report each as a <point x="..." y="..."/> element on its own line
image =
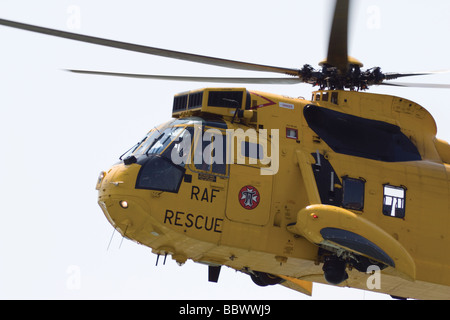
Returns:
<point x="289" y="191"/>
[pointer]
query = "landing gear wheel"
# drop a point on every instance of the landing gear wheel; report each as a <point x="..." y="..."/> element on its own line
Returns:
<point x="263" y="279"/>
<point x="334" y="270"/>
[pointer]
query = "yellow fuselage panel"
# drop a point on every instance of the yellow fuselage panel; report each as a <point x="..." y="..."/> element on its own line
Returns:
<point x="240" y="218"/>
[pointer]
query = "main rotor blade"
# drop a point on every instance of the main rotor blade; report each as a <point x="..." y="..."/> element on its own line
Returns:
<point x="337" y="46"/>
<point x="417" y="85"/>
<point x="150" y="50"/>
<point x="195" y="79"/>
<point x="393" y="75"/>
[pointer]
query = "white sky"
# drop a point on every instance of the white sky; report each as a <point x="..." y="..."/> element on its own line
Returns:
<point x="59" y="130"/>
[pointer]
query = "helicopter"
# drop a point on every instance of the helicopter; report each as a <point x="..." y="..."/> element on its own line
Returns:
<point x="330" y="208"/>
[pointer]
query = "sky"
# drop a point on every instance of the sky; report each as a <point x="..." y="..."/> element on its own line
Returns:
<point x="59" y="130"/>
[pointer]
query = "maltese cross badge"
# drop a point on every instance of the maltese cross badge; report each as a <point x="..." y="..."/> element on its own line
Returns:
<point x="249" y="197"/>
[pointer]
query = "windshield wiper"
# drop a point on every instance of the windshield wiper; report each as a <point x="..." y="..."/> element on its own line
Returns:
<point x="153" y="143"/>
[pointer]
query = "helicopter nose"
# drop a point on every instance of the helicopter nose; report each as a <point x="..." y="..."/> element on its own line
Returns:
<point x="117" y="198"/>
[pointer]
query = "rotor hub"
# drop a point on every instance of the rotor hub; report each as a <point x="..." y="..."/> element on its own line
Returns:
<point x="330" y="77"/>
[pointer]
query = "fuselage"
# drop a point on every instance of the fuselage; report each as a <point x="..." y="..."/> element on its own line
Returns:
<point x="221" y="185"/>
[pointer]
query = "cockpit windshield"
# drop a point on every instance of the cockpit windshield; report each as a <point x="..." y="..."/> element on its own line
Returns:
<point x="165" y="138"/>
<point x="142" y="146"/>
<point x="159" y="138"/>
<point x="163" y="152"/>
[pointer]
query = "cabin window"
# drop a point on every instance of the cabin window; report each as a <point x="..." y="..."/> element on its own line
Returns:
<point x="210" y="152"/>
<point x="328" y="183"/>
<point x="252" y="150"/>
<point x="334" y="97"/>
<point x="219" y="154"/>
<point x="353" y="197"/>
<point x="394" y="201"/>
<point x="361" y="137"/>
<point x="291" y="133"/>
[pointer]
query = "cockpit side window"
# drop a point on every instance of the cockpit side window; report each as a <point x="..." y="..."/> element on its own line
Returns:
<point x="219" y="154"/>
<point x="161" y="167"/>
<point x="210" y="151"/>
<point x="159" y="173"/>
<point x="165" y="151"/>
<point x="179" y="150"/>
